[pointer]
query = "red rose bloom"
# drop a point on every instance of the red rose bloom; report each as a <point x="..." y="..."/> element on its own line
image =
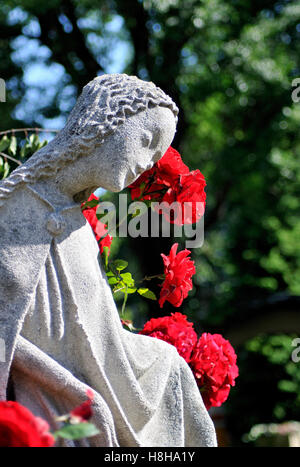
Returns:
<point x="105" y="242"/>
<point x="20" y="428"/>
<point x="99" y="229"/>
<point x="153" y="183"/>
<point x="170" y="167"/>
<point x="145" y="184"/>
<point x="213" y="363"/>
<point x="178" y="270"/>
<point x="84" y="411"/>
<point x="170" y="181"/>
<point x="89" y="213"/>
<point x="175" y="330"/>
<point x="189" y="195"/>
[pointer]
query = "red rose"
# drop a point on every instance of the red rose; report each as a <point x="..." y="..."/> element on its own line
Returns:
<point x="175" y="330"/>
<point x="99" y="229"/>
<point x="89" y="213"/>
<point x="170" y="181"/>
<point x="189" y="195"/>
<point x="20" y="428"/>
<point x="105" y="242"/>
<point x="84" y="411"/>
<point x="170" y="167"/>
<point x="153" y="183"/>
<point x="213" y="363"/>
<point x="145" y="184"/>
<point x="178" y="270"/>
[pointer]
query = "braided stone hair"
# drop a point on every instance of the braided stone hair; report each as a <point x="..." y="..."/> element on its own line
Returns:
<point x="104" y="104"/>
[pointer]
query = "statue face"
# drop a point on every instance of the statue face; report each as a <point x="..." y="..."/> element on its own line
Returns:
<point x="134" y="147"/>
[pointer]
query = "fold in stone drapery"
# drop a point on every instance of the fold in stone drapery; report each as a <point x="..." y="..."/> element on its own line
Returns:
<point x="49" y="304"/>
<point x="55" y="301"/>
<point x="46" y="311"/>
<point x="40" y="376"/>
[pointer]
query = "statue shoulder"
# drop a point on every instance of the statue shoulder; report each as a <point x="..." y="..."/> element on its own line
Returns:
<point x="23" y="218"/>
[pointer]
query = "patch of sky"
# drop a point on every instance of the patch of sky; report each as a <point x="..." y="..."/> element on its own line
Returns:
<point x="16" y="15"/>
<point x="44" y="82"/>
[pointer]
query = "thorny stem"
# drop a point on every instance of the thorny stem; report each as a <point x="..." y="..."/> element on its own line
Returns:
<point x="149" y="278"/>
<point x="157" y="276"/>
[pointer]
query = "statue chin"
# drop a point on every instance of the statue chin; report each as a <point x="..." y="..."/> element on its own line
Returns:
<point x="117" y="185"/>
<point x="83" y="195"/>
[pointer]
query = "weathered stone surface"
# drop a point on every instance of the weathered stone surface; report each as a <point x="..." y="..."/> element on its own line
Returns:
<point x="58" y="318"/>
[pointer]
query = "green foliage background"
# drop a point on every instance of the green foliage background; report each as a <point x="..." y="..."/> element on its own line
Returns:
<point x="229" y="66"/>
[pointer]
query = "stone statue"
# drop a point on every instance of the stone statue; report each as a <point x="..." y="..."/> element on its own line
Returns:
<point x="58" y="319"/>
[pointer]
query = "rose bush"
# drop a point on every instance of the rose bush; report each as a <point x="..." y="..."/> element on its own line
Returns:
<point x="211" y="357"/>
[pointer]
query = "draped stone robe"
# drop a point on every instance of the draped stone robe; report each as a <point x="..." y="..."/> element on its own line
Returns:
<point x="63" y="335"/>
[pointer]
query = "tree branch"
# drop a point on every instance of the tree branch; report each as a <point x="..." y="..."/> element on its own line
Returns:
<point x="62" y="44"/>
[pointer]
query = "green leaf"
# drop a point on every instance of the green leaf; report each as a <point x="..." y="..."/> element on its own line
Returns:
<point x="128" y="279"/>
<point x="25" y="150"/>
<point x="4" y="143"/>
<point x="12" y="149"/>
<point x="31" y="139"/>
<point x="6" y="169"/>
<point x="147" y="293"/>
<point x="113" y="280"/>
<point x="120" y="264"/>
<point x="78" y="431"/>
<point x="34" y="141"/>
<point x="91" y="204"/>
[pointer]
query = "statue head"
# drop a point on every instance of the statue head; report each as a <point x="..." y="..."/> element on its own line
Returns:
<point x="119" y="127"/>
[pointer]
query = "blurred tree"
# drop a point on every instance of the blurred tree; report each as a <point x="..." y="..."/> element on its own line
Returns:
<point x="229" y="66"/>
<point x="269" y="383"/>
